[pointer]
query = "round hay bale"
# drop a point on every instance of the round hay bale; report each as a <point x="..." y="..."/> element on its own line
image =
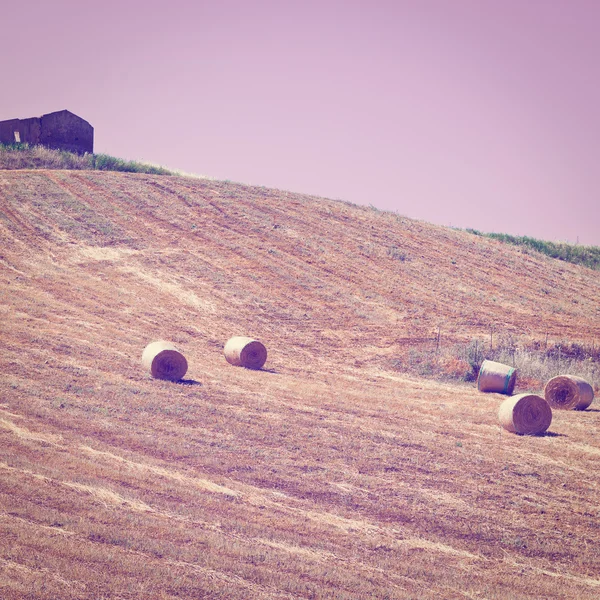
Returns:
<point x="568" y="392"/>
<point x="245" y="352"/>
<point x="526" y="414"/>
<point x="164" y="361"/>
<point x="496" y="377"/>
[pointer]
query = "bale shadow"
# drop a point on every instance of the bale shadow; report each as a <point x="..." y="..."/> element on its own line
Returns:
<point x="269" y="371"/>
<point x="552" y="434"/>
<point x="188" y="382"/>
<point x="590" y="410"/>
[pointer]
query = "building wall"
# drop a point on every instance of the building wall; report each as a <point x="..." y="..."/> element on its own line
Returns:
<point x="7" y="129"/>
<point x="26" y="130"/>
<point x="62" y="130"/>
<point x="67" y="131"/>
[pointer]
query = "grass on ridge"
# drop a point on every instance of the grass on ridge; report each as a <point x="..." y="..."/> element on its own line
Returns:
<point x="588" y="256"/>
<point x="24" y="156"/>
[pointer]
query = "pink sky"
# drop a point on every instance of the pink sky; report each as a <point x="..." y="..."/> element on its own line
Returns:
<point x="470" y="113"/>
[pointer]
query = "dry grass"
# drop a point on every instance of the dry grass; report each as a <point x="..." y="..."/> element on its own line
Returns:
<point x="328" y="475"/>
<point x="24" y="156"/>
<point x="536" y="362"/>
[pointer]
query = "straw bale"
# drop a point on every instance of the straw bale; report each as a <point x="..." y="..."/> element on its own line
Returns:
<point x="164" y="361"/>
<point x="245" y="352"/>
<point x="526" y="414"/>
<point x="568" y="392"/>
<point x="496" y="377"/>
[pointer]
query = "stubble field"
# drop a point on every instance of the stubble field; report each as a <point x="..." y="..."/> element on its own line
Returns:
<point x="332" y="473"/>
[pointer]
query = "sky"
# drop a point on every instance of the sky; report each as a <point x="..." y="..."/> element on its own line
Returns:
<point x="479" y="114"/>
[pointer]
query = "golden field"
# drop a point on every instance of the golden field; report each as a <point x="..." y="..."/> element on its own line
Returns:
<point x="331" y="473"/>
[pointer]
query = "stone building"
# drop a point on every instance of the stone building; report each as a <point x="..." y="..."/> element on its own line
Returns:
<point x="62" y="130"/>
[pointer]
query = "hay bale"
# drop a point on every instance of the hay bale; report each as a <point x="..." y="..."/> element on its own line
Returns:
<point x="568" y="392"/>
<point x="164" y="361"/>
<point x="245" y="352"/>
<point x="526" y="414"/>
<point x="496" y="377"/>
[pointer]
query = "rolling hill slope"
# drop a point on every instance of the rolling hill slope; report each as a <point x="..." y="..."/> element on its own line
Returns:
<point x="329" y="474"/>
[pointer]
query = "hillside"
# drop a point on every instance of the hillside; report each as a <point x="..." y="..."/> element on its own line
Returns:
<point x="330" y="474"/>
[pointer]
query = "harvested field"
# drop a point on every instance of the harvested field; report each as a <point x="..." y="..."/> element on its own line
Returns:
<point x="325" y="475"/>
